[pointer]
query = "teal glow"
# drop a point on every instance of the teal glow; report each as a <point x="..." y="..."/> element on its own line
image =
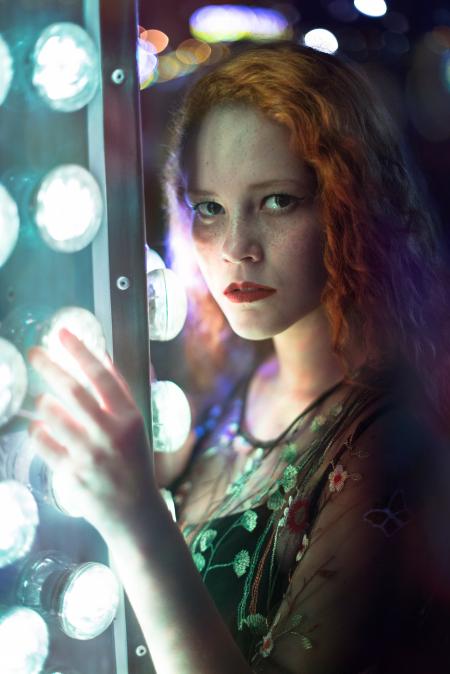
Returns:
<point x="66" y="67"/>
<point x="69" y="208"/>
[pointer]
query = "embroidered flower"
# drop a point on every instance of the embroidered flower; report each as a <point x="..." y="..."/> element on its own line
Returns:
<point x="302" y="548"/>
<point x="199" y="561"/>
<point x="241" y="563"/>
<point x="289" y="477"/>
<point x="318" y="422"/>
<point x="276" y="500"/>
<point x="289" y="453"/>
<point x="337" y="478"/>
<point x="249" y="520"/>
<point x="207" y="538"/>
<point x="297" y="516"/>
<point x="267" y="645"/>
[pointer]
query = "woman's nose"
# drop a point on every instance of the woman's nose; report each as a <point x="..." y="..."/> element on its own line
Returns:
<point x="240" y="243"/>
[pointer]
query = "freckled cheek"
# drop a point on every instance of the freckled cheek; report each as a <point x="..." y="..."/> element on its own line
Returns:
<point x="206" y="255"/>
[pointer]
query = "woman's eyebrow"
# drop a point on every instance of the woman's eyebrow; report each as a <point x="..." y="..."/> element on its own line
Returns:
<point x="265" y="183"/>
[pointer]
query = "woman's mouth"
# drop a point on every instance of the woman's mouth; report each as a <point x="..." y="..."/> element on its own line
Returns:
<point x="247" y="292"/>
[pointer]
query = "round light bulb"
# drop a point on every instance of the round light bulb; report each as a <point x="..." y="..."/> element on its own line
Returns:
<point x="9" y="223"/>
<point x="83" y="598"/>
<point x="171" y="416"/>
<point x="89" y="601"/>
<point x="167" y="304"/>
<point x="147" y="62"/>
<point x="6" y="70"/>
<point x="19" y="523"/>
<point x="24" y="641"/>
<point x="66" y="67"/>
<point x="63" y="494"/>
<point x="69" y="208"/>
<point x="322" y="40"/>
<point x="153" y="260"/>
<point x="13" y="381"/>
<point x="84" y="325"/>
<point x="373" y="8"/>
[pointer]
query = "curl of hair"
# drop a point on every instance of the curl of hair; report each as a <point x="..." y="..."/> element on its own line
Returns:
<point x="387" y="281"/>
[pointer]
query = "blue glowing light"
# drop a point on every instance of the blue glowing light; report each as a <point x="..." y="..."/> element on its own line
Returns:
<point x="13" y="381"/>
<point x="229" y="23"/>
<point x="373" y="8"/>
<point x="6" y="70"/>
<point x="66" y="67"/>
<point x="24" y="641"/>
<point x="18" y="529"/>
<point x="9" y="223"/>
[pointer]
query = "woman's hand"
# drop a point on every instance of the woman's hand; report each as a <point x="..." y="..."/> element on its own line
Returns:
<point x="98" y="439"/>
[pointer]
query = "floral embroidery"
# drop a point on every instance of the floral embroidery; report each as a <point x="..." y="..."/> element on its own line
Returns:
<point x="318" y="422"/>
<point x="276" y="501"/>
<point x="249" y="520"/>
<point x="289" y="453"/>
<point x="297" y="516"/>
<point x="337" y="478"/>
<point x="289" y="478"/>
<point x="241" y="563"/>
<point x="267" y="645"/>
<point x="199" y="561"/>
<point x="206" y="539"/>
<point x="302" y="548"/>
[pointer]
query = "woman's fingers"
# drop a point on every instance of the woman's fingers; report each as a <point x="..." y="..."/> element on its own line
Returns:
<point x="54" y="454"/>
<point x="105" y="380"/>
<point x="69" y="389"/>
<point x="64" y="430"/>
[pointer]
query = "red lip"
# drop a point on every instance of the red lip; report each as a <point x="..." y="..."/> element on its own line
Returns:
<point x="246" y="285"/>
<point x="247" y="292"/>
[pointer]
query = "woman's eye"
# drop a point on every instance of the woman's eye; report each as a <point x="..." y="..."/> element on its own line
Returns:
<point x="280" y="202"/>
<point x="207" y="209"/>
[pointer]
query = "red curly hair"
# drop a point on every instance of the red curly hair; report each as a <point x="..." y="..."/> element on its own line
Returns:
<point x="387" y="284"/>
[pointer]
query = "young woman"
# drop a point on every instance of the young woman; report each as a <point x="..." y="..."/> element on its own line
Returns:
<point x="311" y="496"/>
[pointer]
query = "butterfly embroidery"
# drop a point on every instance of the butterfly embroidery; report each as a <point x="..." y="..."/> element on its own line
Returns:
<point x="392" y="517"/>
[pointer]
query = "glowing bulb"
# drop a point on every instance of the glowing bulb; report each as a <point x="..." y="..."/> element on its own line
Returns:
<point x="69" y="208"/>
<point x="84" y="325"/>
<point x="153" y="260"/>
<point x="63" y="494"/>
<point x="371" y="7"/>
<point x="9" y="222"/>
<point x="6" y="70"/>
<point x="24" y="641"/>
<point x="167" y="304"/>
<point x="322" y="40"/>
<point x="18" y="523"/>
<point x="147" y="62"/>
<point x="66" y="67"/>
<point x="13" y="381"/>
<point x="83" y="598"/>
<point x="171" y="416"/>
<point x="89" y="601"/>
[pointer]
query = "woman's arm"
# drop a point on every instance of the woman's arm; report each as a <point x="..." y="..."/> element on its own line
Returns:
<point x="100" y="441"/>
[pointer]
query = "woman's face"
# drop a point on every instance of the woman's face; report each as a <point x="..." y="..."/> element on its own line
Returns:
<point x="255" y="220"/>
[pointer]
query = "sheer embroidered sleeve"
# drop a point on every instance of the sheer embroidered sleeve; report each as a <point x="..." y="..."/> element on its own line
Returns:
<point x="361" y="556"/>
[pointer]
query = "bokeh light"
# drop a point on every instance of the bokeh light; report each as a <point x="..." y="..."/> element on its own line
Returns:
<point x="24" y="641"/>
<point x="69" y="208"/>
<point x="193" y="52"/>
<point x="9" y="224"/>
<point x="169" y="404"/>
<point x="229" y="23"/>
<point x="373" y="8"/>
<point x="66" y="67"/>
<point x="13" y="381"/>
<point x="156" y="38"/>
<point x="322" y="40"/>
<point x="167" y="304"/>
<point x="18" y="522"/>
<point x="147" y="63"/>
<point x="6" y="70"/>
